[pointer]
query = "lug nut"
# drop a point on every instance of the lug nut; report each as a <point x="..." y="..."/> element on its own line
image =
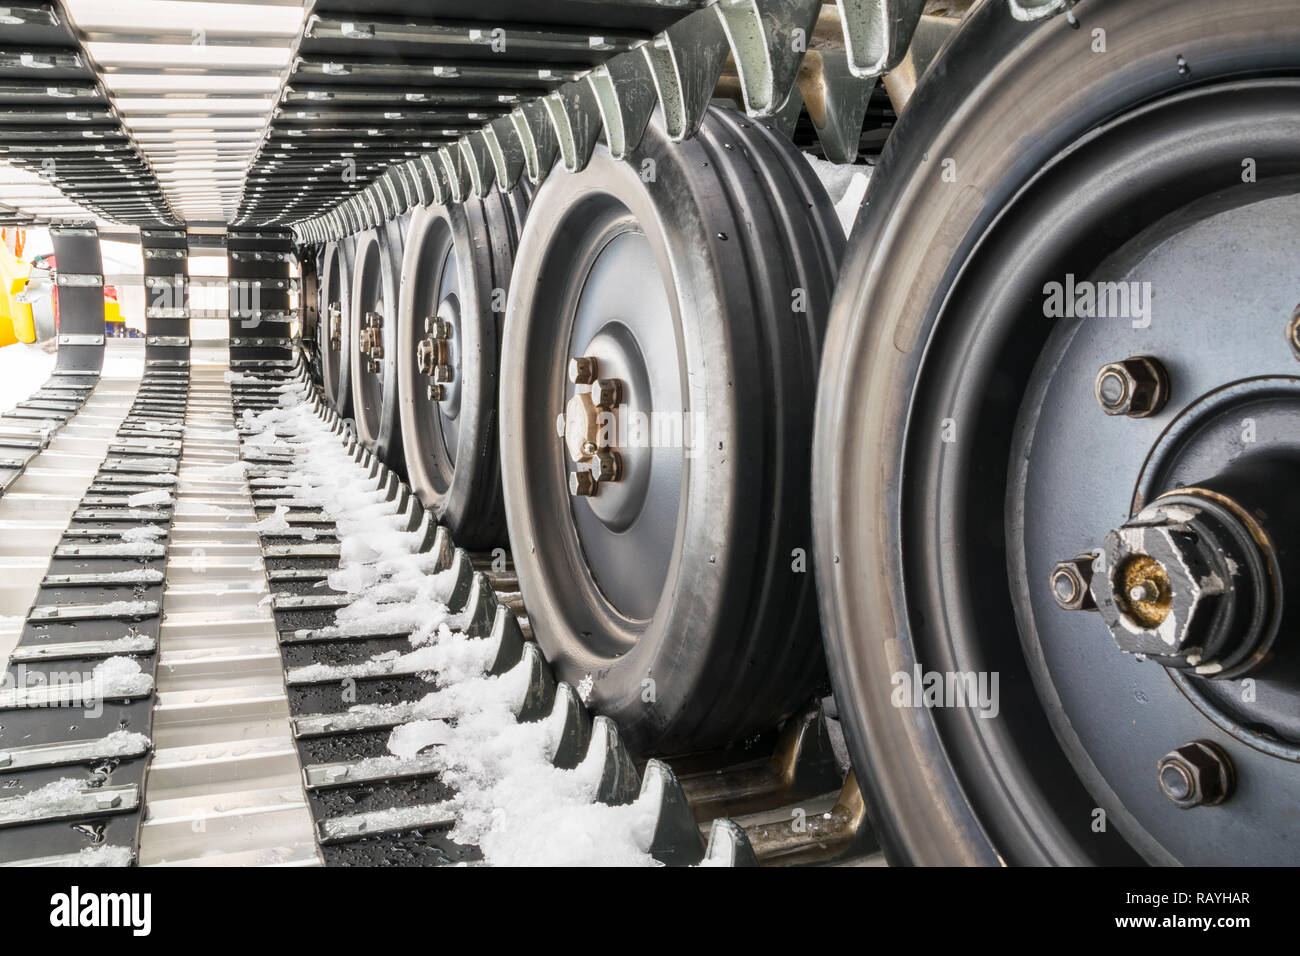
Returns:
<point x="441" y="330"/>
<point x="582" y="370"/>
<point x="1070" y="580"/>
<point x="607" y="465"/>
<point x="1137" y="387"/>
<point x="374" y="320"/>
<point x="1293" y="332"/>
<point x="582" y="484"/>
<point x="560" y="425"/>
<point x="606" y="392"/>
<point x="1198" y="774"/>
<point x="442" y="373"/>
<point x="436" y="393"/>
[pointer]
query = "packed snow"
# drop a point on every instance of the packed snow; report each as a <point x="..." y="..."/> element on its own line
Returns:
<point x="510" y="800"/>
<point x="23" y="369"/>
<point x="846" y="185"/>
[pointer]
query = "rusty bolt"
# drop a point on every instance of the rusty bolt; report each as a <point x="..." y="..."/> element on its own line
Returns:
<point x="582" y="483"/>
<point x="606" y="392"/>
<point x="582" y="370"/>
<point x="1070" y="580"/>
<point x="1198" y="774"/>
<point x="607" y="465"/>
<point x="1137" y="387"/>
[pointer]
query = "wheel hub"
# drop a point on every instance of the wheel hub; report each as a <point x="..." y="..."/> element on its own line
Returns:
<point x="1189" y="583"/>
<point x="334" y="322"/>
<point x="589" y="427"/>
<point x="372" y="339"/>
<point x="435" y="354"/>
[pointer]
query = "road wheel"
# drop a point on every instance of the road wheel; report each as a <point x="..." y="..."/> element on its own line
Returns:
<point x="335" y="317"/>
<point x="455" y="273"/>
<point x="980" y="424"/>
<point x="376" y="280"/>
<point x="666" y="314"/>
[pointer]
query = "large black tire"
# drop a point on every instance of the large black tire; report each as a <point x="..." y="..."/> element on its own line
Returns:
<point x="336" y="293"/>
<point x="376" y="283"/>
<point x="989" y="186"/>
<point x="679" y="597"/>
<point x="465" y="251"/>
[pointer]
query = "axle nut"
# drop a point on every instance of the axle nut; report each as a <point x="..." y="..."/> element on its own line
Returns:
<point x="1198" y="774"/>
<point x="1137" y="387"/>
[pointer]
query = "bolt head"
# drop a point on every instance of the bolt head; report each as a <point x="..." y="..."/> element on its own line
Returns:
<point x="1070" y="580"/>
<point x="606" y="392"/>
<point x="1198" y="774"/>
<point x="559" y="425"/>
<point x="582" y="484"/>
<point x="607" y="465"/>
<point x="442" y="373"/>
<point x="1293" y="332"/>
<point x="1137" y="387"/>
<point x="436" y="393"/>
<point x="582" y="370"/>
<point x="441" y="330"/>
<point x="374" y="320"/>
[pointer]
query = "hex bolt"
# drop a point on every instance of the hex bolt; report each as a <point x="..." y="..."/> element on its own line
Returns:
<point x="1144" y="592"/>
<point x="1293" y="332"/>
<point x="428" y="324"/>
<point x="1137" y="387"/>
<point x="582" y="370"/>
<point x="1070" y="581"/>
<point x="607" y="465"/>
<point x="442" y="373"/>
<point x="436" y="393"/>
<point x="606" y="392"/>
<point x="560" y="425"/>
<point x="441" y="330"/>
<point x="582" y="483"/>
<point x="1198" y="774"/>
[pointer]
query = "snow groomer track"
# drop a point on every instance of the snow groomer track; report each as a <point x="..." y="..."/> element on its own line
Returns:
<point x="263" y="651"/>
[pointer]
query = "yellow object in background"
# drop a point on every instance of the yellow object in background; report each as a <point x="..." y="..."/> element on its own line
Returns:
<point x="16" y="322"/>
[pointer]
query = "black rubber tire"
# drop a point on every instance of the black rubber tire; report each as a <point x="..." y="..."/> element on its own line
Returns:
<point x="376" y="279"/>
<point x="462" y="490"/>
<point x="1004" y="100"/>
<point x="336" y="289"/>
<point x="735" y="221"/>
